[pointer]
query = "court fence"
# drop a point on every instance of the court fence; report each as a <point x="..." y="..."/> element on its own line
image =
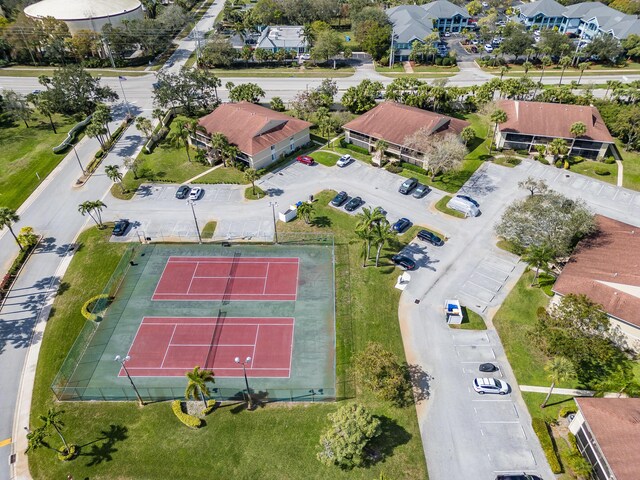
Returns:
<point x="77" y="360"/>
<point x="283" y="238"/>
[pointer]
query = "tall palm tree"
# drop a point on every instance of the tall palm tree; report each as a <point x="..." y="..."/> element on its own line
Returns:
<point x="538" y="257"/>
<point x="526" y="66"/>
<point x="366" y="236"/>
<point x="560" y="369"/>
<point x="577" y="129"/>
<point x="52" y="419"/>
<point x="231" y="153"/>
<point x="144" y="125"/>
<point x="197" y="385"/>
<point x="250" y="175"/>
<point x="497" y="117"/>
<point x="180" y="136"/>
<point x="582" y="66"/>
<point x="219" y="143"/>
<point x="382" y="234"/>
<point x="86" y="208"/>
<point x="97" y="206"/>
<point x="612" y="85"/>
<point x="115" y="175"/>
<point x="557" y="148"/>
<point x="546" y="61"/>
<point x="8" y="217"/>
<point x="565" y="62"/>
<point x="158" y="113"/>
<point x="365" y="221"/>
<point x="305" y="210"/>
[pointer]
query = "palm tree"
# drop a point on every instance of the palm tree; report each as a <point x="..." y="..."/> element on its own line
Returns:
<point x="8" y="217"/>
<point x="382" y="233"/>
<point x="158" y="113"/>
<point x="526" y="66"/>
<point x="366" y="236"/>
<point x="144" y="125"/>
<point x="115" y="175"/>
<point x="305" y="210"/>
<point x="565" y="62"/>
<point x="560" y="369"/>
<point x="197" y="386"/>
<point x="497" y="117"/>
<point x="365" y="221"/>
<point x="97" y="206"/>
<point x="180" y="136"/>
<point x="577" y="129"/>
<point x="582" y="66"/>
<point x="503" y="69"/>
<point x="538" y="257"/>
<point x="52" y="419"/>
<point x="231" y="153"/>
<point x="86" y="208"/>
<point x="557" y="148"/>
<point x="546" y="61"/>
<point x="612" y="85"/>
<point x="36" y="439"/>
<point x="250" y="175"/>
<point x="219" y="143"/>
<point x="529" y="52"/>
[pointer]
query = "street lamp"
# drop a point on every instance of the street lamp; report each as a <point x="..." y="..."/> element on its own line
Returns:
<point x="195" y="219"/>
<point x="126" y="102"/>
<point x="273" y="206"/>
<point x="84" y="172"/>
<point x="246" y="382"/>
<point x="122" y="362"/>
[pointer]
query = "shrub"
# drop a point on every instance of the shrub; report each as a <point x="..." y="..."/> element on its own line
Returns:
<point x="211" y="404"/>
<point x="438" y="61"/>
<point x="189" y="420"/>
<point x="566" y="411"/>
<point x="576" y="159"/>
<point x="522" y="152"/>
<point x="99" y="154"/>
<point x="89" y="303"/>
<point x="413" y="168"/>
<point x="513" y="160"/>
<point x="542" y="431"/>
<point x="559" y="163"/>
<point x="446" y="62"/>
<point x="542" y="160"/>
<point x="602" y="171"/>
<point x="609" y="160"/>
<point x="393" y="168"/>
<point x="355" y="148"/>
<point x="69" y="454"/>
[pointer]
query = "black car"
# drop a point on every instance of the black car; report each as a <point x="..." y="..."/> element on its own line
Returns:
<point x="352" y="204"/>
<point x="408" y="185"/>
<point x="488" y="367"/>
<point x="339" y="199"/>
<point x="404" y="262"/>
<point x="182" y="192"/>
<point x="120" y="228"/>
<point x="469" y="199"/>
<point x="432" y="238"/>
<point x="518" y="476"/>
<point x="420" y="191"/>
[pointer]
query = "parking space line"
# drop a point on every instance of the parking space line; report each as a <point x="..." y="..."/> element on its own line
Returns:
<point x="477" y="285"/>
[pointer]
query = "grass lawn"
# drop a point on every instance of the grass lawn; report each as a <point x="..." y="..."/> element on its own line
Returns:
<point x="26" y="151"/>
<point x="121" y="440"/>
<point x="36" y="72"/>
<point x="309" y="71"/>
<point x="515" y="322"/>
<point x="250" y="195"/>
<point x="328" y="159"/>
<point x="503" y="161"/>
<point x="170" y="164"/>
<point x="399" y="68"/>
<point x="449" y="182"/>
<point x="209" y="229"/>
<point x="441" y="206"/>
<point x="588" y="168"/>
<point x="630" y="167"/>
<point x="470" y="321"/>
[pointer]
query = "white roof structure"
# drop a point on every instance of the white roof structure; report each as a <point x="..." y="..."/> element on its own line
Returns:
<point x="81" y="9"/>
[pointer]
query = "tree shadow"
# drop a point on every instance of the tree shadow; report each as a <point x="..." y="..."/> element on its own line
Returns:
<point x="274" y="192"/>
<point x="103" y="452"/>
<point x="321" y="221"/>
<point x="420" y="381"/>
<point x="392" y="435"/>
<point x="64" y="286"/>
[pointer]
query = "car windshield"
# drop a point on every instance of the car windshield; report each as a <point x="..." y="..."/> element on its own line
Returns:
<point x="498" y="384"/>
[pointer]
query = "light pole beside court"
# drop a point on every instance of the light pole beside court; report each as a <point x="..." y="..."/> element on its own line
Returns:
<point x="122" y="362"/>
<point x="246" y="382"/>
<point x="273" y="206"/>
<point x="195" y="219"/>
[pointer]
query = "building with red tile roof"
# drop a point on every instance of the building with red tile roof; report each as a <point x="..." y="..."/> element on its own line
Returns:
<point x="606" y="268"/>
<point x="607" y="434"/>
<point x="393" y="123"/>
<point x="538" y="123"/>
<point x="262" y="135"/>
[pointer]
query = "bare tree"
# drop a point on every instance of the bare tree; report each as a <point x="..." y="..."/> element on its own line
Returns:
<point x="534" y="186"/>
<point x="440" y="153"/>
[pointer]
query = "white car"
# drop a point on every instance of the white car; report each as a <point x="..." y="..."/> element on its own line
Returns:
<point x="305" y="56"/>
<point x="485" y="4"/>
<point x="195" y="193"/>
<point x="490" y="385"/>
<point x="344" y="160"/>
<point x="488" y="48"/>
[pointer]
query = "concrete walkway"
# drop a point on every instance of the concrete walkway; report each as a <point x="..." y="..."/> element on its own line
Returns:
<point x="558" y="391"/>
<point x="202" y="174"/>
<point x="620" y="173"/>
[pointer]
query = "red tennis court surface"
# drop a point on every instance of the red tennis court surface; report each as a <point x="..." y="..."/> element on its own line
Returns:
<point x="228" y="278"/>
<point x="170" y="346"/>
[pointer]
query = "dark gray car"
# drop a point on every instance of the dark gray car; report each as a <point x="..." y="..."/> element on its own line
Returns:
<point x="420" y="191"/>
<point x="408" y="185"/>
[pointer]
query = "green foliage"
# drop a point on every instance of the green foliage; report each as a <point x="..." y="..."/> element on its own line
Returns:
<point x="602" y="171"/>
<point x="568" y="410"/>
<point x="245" y="92"/>
<point x="513" y="161"/>
<point x="413" y="168"/>
<point x="542" y="431"/>
<point x="211" y="405"/>
<point x="362" y="97"/>
<point x="193" y="89"/>
<point x="379" y="371"/>
<point x="218" y="52"/>
<point x="356" y="148"/>
<point x="189" y="420"/>
<point x="86" y="313"/>
<point x="66" y="454"/>
<point x="394" y="168"/>
<point x="352" y="428"/>
<point x="277" y="104"/>
<point x="27" y="238"/>
<point x="609" y="160"/>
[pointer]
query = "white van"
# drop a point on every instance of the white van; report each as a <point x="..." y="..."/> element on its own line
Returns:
<point x="463" y="206"/>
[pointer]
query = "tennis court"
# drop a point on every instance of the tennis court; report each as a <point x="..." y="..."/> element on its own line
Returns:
<point x="169" y="346"/>
<point x="224" y="278"/>
<point x="177" y="306"/>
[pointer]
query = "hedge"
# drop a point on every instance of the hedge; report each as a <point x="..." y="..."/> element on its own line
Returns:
<point x="542" y="431"/>
<point x="85" y="307"/>
<point x="566" y="411"/>
<point x="211" y="404"/>
<point x="189" y="420"/>
<point x="393" y="168"/>
<point x="602" y="171"/>
<point x="413" y="168"/>
<point x="70" y="455"/>
<point x="71" y="136"/>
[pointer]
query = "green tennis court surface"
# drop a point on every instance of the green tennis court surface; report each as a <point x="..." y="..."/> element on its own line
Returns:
<point x="178" y="306"/>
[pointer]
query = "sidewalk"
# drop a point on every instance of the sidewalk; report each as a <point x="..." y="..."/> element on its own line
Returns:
<point x="558" y="391"/>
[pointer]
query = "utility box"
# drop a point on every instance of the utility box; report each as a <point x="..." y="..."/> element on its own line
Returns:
<point x="453" y="311"/>
<point x="289" y="214"/>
